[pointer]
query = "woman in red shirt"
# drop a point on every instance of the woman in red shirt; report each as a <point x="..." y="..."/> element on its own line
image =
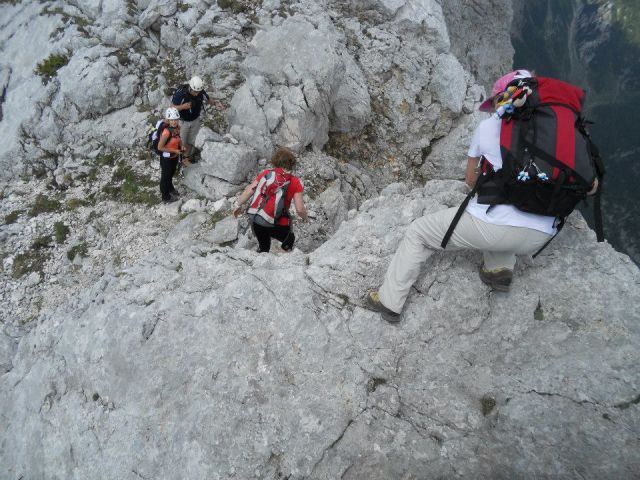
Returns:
<point x="267" y="223"/>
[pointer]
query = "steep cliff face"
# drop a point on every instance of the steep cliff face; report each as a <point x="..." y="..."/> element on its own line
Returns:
<point x="591" y="44"/>
<point x="150" y="341"/>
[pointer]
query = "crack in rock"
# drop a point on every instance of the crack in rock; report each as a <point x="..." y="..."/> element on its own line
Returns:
<point x="337" y="440"/>
<point x="551" y="394"/>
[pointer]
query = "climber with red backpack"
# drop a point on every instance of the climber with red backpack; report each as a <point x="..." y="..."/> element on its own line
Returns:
<point x="528" y="165"/>
<point x="271" y="194"/>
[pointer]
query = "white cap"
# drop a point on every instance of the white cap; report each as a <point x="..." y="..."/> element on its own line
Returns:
<point x="172" y="113"/>
<point x="196" y="83"/>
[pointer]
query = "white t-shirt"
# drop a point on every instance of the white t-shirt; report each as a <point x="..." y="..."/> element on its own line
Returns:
<point x="486" y="141"/>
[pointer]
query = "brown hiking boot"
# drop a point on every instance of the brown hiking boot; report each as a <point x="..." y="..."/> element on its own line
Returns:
<point x="373" y="301"/>
<point x="498" y="279"/>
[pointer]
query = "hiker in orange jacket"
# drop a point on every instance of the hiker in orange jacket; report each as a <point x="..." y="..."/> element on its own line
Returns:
<point x="170" y="148"/>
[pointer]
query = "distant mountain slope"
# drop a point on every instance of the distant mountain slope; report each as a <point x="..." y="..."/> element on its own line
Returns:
<point x="595" y="45"/>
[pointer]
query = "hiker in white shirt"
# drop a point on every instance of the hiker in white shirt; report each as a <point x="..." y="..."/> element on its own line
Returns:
<point x="500" y="234"/>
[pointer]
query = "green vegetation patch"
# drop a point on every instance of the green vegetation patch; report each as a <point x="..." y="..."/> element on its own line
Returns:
<point x="213" y="50"/>
<point x="41" y="242"/>
<point x="131" y="187"/>
<point x="238" y="6"/>
<point x="215" y="218"/>
<point x="626" y="14"/>
<point x="75" y="203"/>
<point x="43" y="204"/>
<point x="91" y="175"/>
<point x="49" y="67"/>
<point x="123" y="57"/>
<point x="33" y="260"/>
<point x="79" y="22"/>
<point x="81" y="249"/>
<point x="12" y="217"/>
<point x="28" y="262"/>
<point x="61" y="232"/>
<point x="108" y="159"/>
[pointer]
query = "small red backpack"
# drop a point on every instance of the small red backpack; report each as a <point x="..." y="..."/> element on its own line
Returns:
<point x="267" y="204"/>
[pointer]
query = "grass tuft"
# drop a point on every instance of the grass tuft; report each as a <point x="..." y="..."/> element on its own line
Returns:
<point x="12" y="217"/>
<point x="49" y="67"/>
<point x="81" y="249"/>
<point x="61" y="232"/>
<point x="43" y="204"/>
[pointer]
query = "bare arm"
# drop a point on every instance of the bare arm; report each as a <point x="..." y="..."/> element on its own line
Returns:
<point x="298" y="201"/>
<point x="244" y="196"/>
<point x="216" y="103"/>
<point x="472" y="172"/>
<point x="182" y="106"/>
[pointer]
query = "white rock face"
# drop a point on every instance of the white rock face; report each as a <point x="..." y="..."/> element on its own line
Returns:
<point x="78" y="96"/>
<point x="228" y="162"/>
<point x="225" y="231"/>
<point x="298" y="76"/>
<point x="448" y="83"/>
<point x="329" y="379"/>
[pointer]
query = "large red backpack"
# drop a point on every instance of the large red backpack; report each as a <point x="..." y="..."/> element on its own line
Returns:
<point x="267" y="204"/>
<point x="549" y="162"/>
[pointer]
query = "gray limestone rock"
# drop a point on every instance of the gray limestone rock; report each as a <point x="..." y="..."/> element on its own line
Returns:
<point x="351" y="104"/>
<point x="162" y="354"/>
<point x="196" y="178"/>
<point x="225" y="231"/>
<point x="155" y="10"/>
<point x="298" y="75"/>
<point x="78" y="97"/>
<point x="478" y="39"/>
<point x="329" y="388"/>
<point x="448" y="83"/>
<point x="7" y="351"/>
<point x="226" y="161"/>
<point x="206" y="135"/>
<point x="245" y="109"/>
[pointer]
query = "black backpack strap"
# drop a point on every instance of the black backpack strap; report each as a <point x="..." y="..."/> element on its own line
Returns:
<point x="597" y="215"/>
<point x="558" y="228"/>
<point x="556" y="191"/>
<point x="594" y="153"/>
<point x="447" y="236"/>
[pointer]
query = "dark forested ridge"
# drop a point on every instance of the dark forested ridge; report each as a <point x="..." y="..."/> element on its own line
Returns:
<point x="594" y="45"/>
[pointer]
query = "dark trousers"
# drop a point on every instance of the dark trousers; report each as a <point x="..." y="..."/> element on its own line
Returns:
<point x="279" y="232"/>
<point x="167" y="170"/>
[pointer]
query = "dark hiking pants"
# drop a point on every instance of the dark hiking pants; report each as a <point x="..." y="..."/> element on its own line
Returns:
<point x="279" y="232"/>
<point x="167" y="170"/>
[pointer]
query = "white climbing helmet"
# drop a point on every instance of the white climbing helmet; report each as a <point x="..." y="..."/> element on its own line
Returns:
<point x="172" y="114"/>
<point x="196" y="84"/>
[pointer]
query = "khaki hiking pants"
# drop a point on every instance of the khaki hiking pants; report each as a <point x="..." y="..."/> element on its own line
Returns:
<point x="499" y="245"/>
<point x="188" y="133"/>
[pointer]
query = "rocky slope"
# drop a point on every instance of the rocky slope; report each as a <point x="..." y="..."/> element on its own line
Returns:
<point x="209" y="362"/>
<point x="149" y="341"/>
